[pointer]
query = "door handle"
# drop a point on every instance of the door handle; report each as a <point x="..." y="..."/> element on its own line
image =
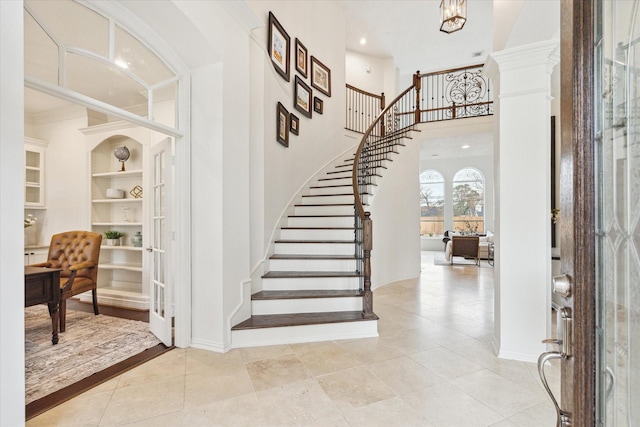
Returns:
<point x="565" y="350"/>
<point x="149" y="249"/>
<point x="563" y="419"/>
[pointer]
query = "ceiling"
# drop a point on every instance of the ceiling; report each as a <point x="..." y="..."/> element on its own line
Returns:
<point x="408" y="32"/>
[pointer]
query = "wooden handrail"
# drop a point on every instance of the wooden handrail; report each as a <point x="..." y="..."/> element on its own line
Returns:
<point x="363" y="141"/>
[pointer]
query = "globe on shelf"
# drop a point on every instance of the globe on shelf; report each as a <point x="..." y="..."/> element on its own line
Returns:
<point x="122" y="154"/>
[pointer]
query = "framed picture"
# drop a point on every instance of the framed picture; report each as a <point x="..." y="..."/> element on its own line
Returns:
<point x="302" y="97"/>
<point x="318" y="105"/>
<point x="279" y="47"/>
<point x="282" y="125"/>
<point x="320" y="76"/>
<point x="294" y="124"/>
<point x="301" y="58"/>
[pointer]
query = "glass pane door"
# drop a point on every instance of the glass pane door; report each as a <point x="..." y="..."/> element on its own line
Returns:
<point x="618" y="211"/>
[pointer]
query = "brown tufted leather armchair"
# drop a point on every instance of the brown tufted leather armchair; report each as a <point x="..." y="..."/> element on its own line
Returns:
<point x="76" y="253"/>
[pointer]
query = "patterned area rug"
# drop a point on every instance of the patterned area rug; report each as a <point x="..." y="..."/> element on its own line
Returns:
<point x="90" y="344"/>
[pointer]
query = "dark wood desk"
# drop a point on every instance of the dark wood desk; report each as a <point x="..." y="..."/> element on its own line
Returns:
<point x="42" y="285"/>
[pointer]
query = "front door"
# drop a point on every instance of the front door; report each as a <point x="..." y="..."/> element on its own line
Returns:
<point x="600" y="213"/>
<point x="575" y="290"/>
<point x="617" y="150"/>
<point x="160" y="289"/>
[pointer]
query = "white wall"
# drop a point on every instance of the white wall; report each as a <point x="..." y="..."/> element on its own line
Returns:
<point x="285" y="170"/>
<point x="371" y="74"/>
<point x="66" y="173"/>
<point x="11" y="210"/>
<point x="395" y="214"/>
<point x="220" y="172"/>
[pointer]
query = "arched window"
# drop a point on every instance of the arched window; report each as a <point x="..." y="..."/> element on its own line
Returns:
<point x="431" y="203"/>
<point x="69" y="46"/>
<point x="468" y="201"/>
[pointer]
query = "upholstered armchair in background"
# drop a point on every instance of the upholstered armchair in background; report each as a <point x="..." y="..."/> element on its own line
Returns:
<point x="77" y="254"/>
<point x="465" y="246"/>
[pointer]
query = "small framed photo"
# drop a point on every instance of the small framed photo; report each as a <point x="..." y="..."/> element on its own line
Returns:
<point x="318" y="105"/>
<point x="320" y="76"/>
<point x="294" y="124"/>
<point x="282" y="125"/>
<point x="302" y="98"/>
<point x="279" y="47"/>
<point x="301" y="59"/>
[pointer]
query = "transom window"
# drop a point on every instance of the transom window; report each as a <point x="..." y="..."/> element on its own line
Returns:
<point x="431" y="203"/>
<point x="468" y="201"/>
<point x="76" y="48"/>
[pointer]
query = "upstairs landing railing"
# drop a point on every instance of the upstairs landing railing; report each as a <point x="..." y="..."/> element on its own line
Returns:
<point x="445" y="95"/>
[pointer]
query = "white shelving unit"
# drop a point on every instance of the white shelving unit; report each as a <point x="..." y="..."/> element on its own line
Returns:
<point x="34" y="183"/>
<point x="122" y="275"/>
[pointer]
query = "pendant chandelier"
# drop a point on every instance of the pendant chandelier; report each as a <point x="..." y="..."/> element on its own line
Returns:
<point x="453" y="15"/>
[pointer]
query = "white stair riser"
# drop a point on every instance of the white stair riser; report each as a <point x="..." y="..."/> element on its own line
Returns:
<point x="331" y="190"/>
<point x="337" y="180"/>
<point x="310" y="283"/>
<point x="305" y="305"/>
<point x="306" y="333"/>
<point x="314" y="248"/>
<point x="316" y="234"/>
<point x="324" y="210"/>
<point x="312" y="265"/>
<point x="319" y="221"/>
<point x="343" y="179"/>
<point x="327" y="200"/>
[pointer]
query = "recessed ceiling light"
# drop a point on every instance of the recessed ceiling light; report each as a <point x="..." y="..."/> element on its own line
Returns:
<point x="464" y="147"/>
<point x="434" y="155"/>
<point x="363" y="41"/>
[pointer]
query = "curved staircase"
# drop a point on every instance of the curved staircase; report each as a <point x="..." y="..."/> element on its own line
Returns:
<point x="313" y="289"/>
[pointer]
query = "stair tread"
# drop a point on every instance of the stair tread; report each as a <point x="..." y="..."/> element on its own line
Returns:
<point x="328" y="195"/>
<point x="331" y="186"/>
<point x="320" y="216"/>
<point x="303" y="274"/>
<point x="300" y="319"/>
<point x="301" y="294"/>
<point x="318" y="228"/>
<point x="328" y="204"/>
<point x="313" y="241"/>
<point x="314" y="257"/>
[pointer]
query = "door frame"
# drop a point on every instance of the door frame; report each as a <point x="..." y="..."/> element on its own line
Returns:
<point x="577" y="202"/>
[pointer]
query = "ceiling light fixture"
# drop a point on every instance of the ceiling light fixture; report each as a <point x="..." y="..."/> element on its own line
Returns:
<point x="464" y="147"/>
<point x="363" y="41"/>
<point x="121" y="63"/>
<point x="453" y="15"/>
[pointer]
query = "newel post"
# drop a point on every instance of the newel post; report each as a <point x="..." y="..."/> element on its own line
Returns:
<point x="417" y="84"/>
<point x="367" y="236"/>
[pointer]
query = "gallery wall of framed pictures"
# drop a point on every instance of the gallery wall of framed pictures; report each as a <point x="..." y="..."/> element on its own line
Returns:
<point x="279" y="49"/>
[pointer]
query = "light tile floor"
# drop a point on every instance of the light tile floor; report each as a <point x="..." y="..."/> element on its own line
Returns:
<point x="432" y="365"/>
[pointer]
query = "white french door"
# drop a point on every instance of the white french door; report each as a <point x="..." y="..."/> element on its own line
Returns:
<point x="160" y="286"/>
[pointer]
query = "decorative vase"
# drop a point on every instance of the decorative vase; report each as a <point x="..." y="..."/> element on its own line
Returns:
<point x="136" y="240"/>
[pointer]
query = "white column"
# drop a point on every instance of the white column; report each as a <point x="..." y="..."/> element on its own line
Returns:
<point x="12" y="202"/>
<point x="522" y="80"/>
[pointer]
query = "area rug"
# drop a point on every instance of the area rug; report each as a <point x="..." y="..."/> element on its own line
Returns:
<point x="90" y="344"/>
<point x="438" y="259"/>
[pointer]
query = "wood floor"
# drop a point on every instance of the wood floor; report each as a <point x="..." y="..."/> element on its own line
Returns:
<point x="45" y="403"/>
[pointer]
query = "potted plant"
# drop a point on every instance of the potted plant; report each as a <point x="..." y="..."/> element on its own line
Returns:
<point x="113" y="237"/>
